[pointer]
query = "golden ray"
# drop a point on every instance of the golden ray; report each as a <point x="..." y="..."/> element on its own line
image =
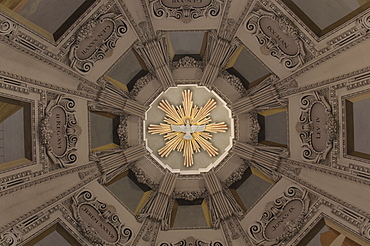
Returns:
<point x="178" y="116"/>
<point x="216" y="127"/>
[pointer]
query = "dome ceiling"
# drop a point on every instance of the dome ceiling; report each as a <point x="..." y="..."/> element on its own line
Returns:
<point x="172" y="122"/>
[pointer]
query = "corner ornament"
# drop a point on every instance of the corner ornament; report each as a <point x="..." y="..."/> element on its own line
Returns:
<point x="190" y="241"/>
<point x="187" y="128"/>
<point x="186" y="11"/>
<point x="277" y="37"/>
<point x="96" y="40"/>
<point x="317" y="127"/>
<point x="59" y="131"/>
<point x="282" y="218"/>
<point x="98" y="222"/>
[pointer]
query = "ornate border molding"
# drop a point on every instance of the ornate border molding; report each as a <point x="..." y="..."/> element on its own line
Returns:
<point x="306" y="127"/>
<point x="12" y="237"/>
<point x="96" y="46"/>
<point x="69" y="129"/>
<point x="192" y="241"/>
<point x="275" y="211"/>
<point x="277" y="45"/>
<point x="186" y="11"/>
<point x="100" y="215"/>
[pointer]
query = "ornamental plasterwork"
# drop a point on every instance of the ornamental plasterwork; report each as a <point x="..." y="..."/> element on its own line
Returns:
<point x="187" y="62"/>
<point x="97" y="221"/>
<point x="282" y="218"/>
<point x="316" y="127"/>
<point x="59" y="131"/>
<point x="277" y="37"/>
<point x="11" y="237"/>
<point x="7" y="27"/>
<point x="96" y="40"/>
<point x="191" y="241"/>
<point x="186" y="11"/>
<point x="187" y="128"/>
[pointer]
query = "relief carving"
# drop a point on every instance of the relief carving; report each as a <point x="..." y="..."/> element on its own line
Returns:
<point x="7" y="27"/>
<point x="282" y="218"/>
<point x="192" y="241"/>
<point x="316" y="127"/>
<point x="59" y="131"/>
<point x="95" y="41"/>
<point x="277" y="37"/>
<point x="364" y="24"/>
<point x="11" y="237"/>
<point x="186" y="10"/>
<point x="97" y="221"/>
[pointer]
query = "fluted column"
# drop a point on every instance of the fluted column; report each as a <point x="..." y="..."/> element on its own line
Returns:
<point x="121" y="157"/>
<point x="112" y="97"/>
<point x="220" y="55"/>
<point x="262" y="95"/>
<point x="222" y="204"/>
<point x="159" y="205"/>
<point x="155" y="55"/>
<point x="267" y="161"/>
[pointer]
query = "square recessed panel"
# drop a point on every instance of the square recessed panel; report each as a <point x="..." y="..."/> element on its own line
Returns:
<point x="186" y="42"/>
<point x="325" y="13"/>
<point x="127" y="191"/>
<point x="249" y="67"/>
<point x="54" y="239"/>
<point x="50" y="18"/>
<point x="276" y="128"/>
<point x="316" y="239"/>
<point x="48" y="14"/>
<point x="252" y="189"/>
<point x="361" y="119"/>
<point x="101" y="130"/>
<point x="190" y="216"/>
<point x="126" y="68"/>
<point x="12" y="133"/>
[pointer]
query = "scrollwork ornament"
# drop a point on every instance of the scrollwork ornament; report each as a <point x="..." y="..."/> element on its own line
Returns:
<point x="364" y="24"/>
<point x="365" y="228"/>
<point x="191" y="241"/>
<point x="186" y="12"/>
<point x="59" y="131"/>
<point x="280" y="221"/>
<point x="10" y="237"/>
<point x="7" y="27"/>
<point x="279" y="39"/>
<point x="95" y="41"/>
<point x="312" y="127"/>
<point x="98" y="221"/>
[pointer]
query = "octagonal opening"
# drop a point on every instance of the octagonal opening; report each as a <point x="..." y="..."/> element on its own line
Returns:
<point x="202" y="160"/>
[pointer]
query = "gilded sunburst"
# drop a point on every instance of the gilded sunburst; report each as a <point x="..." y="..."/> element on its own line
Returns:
<point x="187" y="128"/>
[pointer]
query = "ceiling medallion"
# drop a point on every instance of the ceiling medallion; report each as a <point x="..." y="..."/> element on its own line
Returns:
<point x="187" y="128"/>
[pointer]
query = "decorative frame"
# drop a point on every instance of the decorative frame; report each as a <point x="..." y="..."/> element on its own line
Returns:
<point x="101" y="214"/>
<point x="305" y="127"/>
<point x="273" y="45"/>
<point x="102" y="43"/>
<point x="192" y="241"/>
<point x="70" y="129"/>
<point x="275" y="211"/>
<point x="186" y="12"/>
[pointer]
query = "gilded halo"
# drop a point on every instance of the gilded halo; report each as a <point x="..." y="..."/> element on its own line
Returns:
<point x="187" y="128"/>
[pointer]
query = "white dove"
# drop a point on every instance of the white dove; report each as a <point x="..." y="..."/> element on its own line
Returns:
<point x="188" y="129"/>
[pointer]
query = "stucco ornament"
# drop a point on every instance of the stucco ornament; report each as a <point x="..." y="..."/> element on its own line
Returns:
<point x="59" y="131"/>
<point x="187" y="128"/>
